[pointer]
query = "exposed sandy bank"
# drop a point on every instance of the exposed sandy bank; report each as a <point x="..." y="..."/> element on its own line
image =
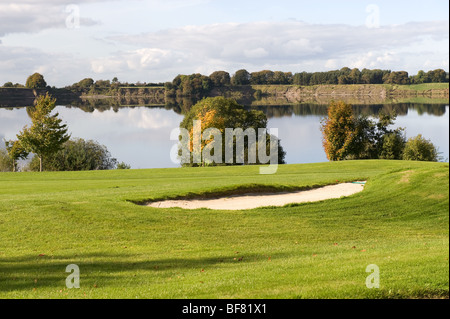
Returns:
<point x="249" y="201"/>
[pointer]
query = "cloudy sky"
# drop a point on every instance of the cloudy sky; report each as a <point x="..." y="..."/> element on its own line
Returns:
<point x="154" y="40"/>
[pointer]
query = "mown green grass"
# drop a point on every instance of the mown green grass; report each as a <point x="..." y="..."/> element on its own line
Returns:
<point x="316" y="250"/>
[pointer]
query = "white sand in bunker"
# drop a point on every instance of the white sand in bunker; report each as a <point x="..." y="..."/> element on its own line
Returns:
<point x="250" y="201"/>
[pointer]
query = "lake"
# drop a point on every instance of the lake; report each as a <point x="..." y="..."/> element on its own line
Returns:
<point x="140" y="136"/>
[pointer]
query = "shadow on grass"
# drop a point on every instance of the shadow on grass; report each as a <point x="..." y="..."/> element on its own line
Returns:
<point x="31" y="271"/>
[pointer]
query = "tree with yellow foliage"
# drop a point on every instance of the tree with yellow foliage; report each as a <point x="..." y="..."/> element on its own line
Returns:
<point x="216" y="115"/>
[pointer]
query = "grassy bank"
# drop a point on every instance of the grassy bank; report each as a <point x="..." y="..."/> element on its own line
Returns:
<point x="318" y="250"/>
<point x="423" y="87"/>
<point x="356" y="89"/>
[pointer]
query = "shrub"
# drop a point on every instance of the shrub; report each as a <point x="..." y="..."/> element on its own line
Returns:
<point x="6" y="163"/>
<point x="123" y="165"/>
<point x="78" y="155"/>
<point x="420" y="149"/>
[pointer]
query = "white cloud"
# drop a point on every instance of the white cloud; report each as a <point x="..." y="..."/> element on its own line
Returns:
<point x="144" y="59"/>
<point x="32" y="16"/>
<point x="59" y="69"/>
<point x="373" y="60"/>
<point x="331" y="64"/>
<point x="255" y="53"/>
<point x="287" y="44"/>
<point x="150" y="58"/>
<point x="37" y="15"/>
<point x="100" y="66"/>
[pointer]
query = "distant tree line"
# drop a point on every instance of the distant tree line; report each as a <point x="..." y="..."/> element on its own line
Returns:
<point x="199" y="85"/>
<point x="34" y="81"/>
<point x="189" y="85"/>
<point x="89" y="86"/>
<point x="13" y="85"/>
<point x="342" y="76"/>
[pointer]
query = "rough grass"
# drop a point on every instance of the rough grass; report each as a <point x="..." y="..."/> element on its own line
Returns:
<point x="424" y="86"/>
<point x="316" y="250"/>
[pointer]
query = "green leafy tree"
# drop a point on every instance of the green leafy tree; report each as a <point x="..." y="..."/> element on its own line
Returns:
<point x="355" y="76"/>
<point x="102" y="84"/>
<point x="241" y="77"/>
<point x="437" y="76"/>
<point x="15" y="151"/>
<point x="420" y="149"/>
<point x="376" y="140"/>
<point x="262" y="77"/>
<point x="318" y="78"/>
<point x="36" y="81"/>
<point x="345" y="70"/>
<point x="280" y="77"/>
<point x="344" y="79"/>
<point x="302" y="78"/>
<point x="8" y="85"/>
<point x="85" y="84"/>
<point x="194" y="85"/>
<point x="421" y="77"/>
<point x="47" y="134"/>
<point x="392" y="146"/>
<point x="220" y="78"/>
<point x="372" y="76"/>
<point x="397" y="77"/>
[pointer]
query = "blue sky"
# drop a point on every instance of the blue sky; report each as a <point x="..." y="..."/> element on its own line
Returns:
<point x="154" y="40"/>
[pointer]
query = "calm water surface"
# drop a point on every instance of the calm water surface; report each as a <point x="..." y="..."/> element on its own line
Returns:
<point x="140" y="136"/>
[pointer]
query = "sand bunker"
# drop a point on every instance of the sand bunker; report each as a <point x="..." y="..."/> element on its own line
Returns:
<point x="249" y="201"/>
